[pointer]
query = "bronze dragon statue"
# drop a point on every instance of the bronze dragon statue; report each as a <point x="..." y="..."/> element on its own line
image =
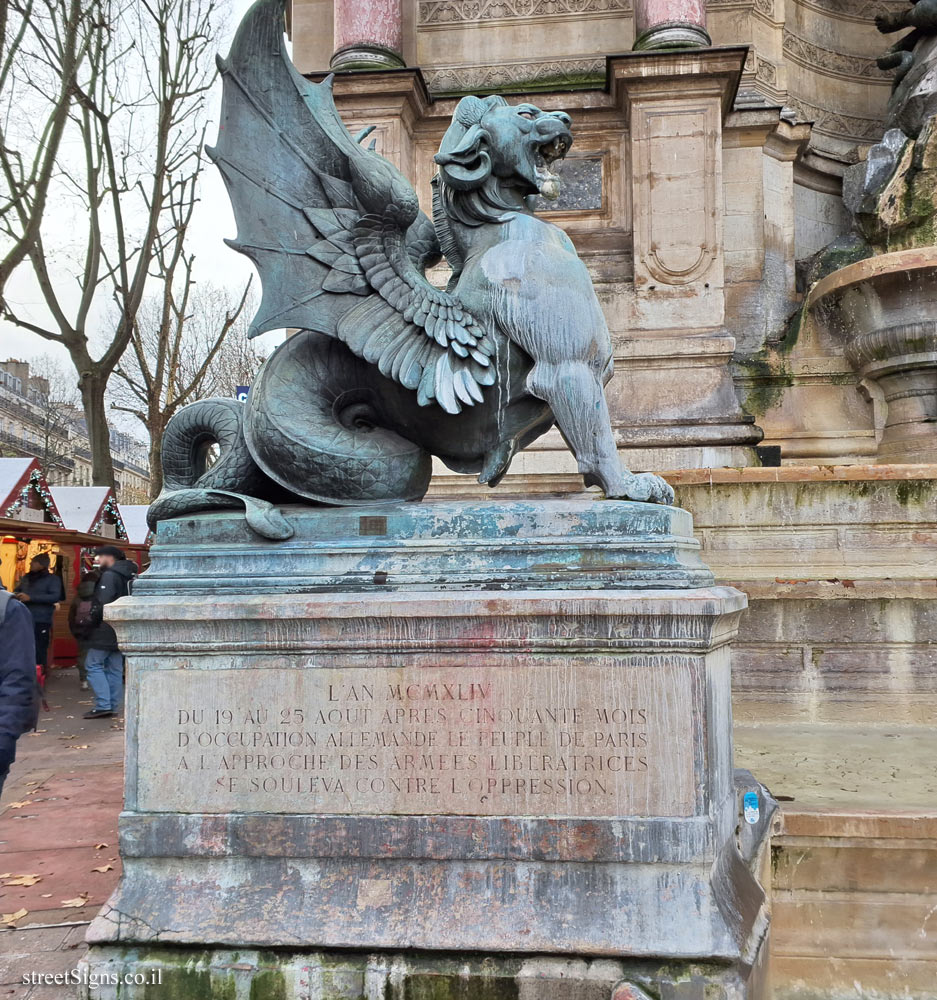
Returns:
<point x="388" y="370"/>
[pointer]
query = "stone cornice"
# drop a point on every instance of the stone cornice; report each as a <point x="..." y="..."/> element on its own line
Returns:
<point x="837" y="124"/>
<point x="441" y="13"/>
<point x="831" y="61"/>
<point x="853" y="10"/>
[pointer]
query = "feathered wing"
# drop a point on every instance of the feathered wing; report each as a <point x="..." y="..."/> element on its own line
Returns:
<point x="334" y="229"/>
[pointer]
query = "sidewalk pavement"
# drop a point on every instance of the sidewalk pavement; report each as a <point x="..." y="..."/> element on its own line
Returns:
<point x="58" y="829"/>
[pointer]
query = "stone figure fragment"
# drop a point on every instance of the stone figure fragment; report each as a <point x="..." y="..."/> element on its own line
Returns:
<point x="388" y="370"/>
<point x="892" y="194"/>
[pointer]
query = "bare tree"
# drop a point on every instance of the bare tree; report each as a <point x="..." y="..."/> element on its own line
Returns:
<point x="43" y="46"/>
<point x="189" y="344"/>
<point x="56" y="405"/>
<point x="134" y="136"/>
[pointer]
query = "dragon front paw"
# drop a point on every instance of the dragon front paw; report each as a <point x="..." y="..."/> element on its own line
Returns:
<point x="644" y="487"/>
<point x="887" y="23"/>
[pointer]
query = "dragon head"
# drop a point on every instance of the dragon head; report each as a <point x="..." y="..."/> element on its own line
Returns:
<point x="493" y="144"/>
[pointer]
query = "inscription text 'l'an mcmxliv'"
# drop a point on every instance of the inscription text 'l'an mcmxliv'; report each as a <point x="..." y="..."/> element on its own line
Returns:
<point x="419" y="741"/>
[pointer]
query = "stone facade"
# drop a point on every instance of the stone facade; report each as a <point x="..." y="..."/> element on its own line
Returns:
<point x="696" y="264"/>
<point x="701" y="184"/>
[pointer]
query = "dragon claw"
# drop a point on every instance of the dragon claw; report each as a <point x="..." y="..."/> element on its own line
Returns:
<point x="644" y="487"/>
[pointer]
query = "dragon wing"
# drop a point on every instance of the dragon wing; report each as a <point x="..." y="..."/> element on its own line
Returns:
<point x="334" y="229"/>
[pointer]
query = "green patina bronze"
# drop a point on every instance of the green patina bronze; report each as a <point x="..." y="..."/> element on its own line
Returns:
<point x="387" y="369"/>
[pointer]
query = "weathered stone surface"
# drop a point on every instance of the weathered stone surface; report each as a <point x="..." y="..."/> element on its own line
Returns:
<point x="853" y="901"/>
<point x="670" y="24"/>
<point x="523" y="545"/>
<point x="881" y="310"/>
<point x="289" y="975"/>
<point x="556" y="760"/>
<point x="570" y="739"/>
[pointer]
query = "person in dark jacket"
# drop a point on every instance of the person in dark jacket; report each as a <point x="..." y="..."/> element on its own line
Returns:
<point x="84" y="597"/>
<point x="104" y="663"/>
<point x="19" y="694"/>
<point x="40" y="590"/>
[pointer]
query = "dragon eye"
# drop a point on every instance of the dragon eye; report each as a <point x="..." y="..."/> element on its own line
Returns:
<point x="527" y="114"/>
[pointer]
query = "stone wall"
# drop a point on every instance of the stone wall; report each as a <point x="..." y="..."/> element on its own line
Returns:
<point x="807" y="100"/>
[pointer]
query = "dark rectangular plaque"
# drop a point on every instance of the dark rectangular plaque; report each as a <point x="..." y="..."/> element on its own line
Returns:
<point x="580" y="187"/>
<point x="372" y="525"/>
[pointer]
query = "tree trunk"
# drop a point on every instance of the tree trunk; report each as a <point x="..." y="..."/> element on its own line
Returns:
<point x="156" y="459"/>
<point x="92" y="386"/>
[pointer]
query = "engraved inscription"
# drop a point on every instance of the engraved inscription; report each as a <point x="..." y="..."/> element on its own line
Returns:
<point x="593" y="741"/>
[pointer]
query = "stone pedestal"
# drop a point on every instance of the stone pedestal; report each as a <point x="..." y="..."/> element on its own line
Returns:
<point x="479" y="749"/>
<point x="670" y="24"/>
<point x="368" y="35"/>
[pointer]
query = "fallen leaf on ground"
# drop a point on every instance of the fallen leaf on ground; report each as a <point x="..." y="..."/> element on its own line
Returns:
<point x="77" y="901"/>
<point x="19" y="805"/>
<point x="100" y="847"/>
<point x="47" y="895"/>
<point x="103" y="868"/>
<point x="10" y="918"/>
<point x="33" y="783"/>
<point x="69" y="716"/>
<point x="77" y="746"/>
<point x="37" y="732"/>
<point x="24" y="880"/>
<point x="7" y="875"/>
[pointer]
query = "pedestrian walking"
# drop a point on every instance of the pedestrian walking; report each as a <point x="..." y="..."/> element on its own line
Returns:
<point x="40" y="590"/>
<point x="104" y="663"/>
<point x="82" y="619"/>
<point x="19" y="693"/>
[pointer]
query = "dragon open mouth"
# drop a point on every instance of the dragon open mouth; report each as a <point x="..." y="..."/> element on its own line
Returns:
<point x="546" y="155"/>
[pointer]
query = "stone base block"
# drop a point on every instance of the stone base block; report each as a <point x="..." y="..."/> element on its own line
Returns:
<point x="144" y="973"/>
<point x="501" y="731"/>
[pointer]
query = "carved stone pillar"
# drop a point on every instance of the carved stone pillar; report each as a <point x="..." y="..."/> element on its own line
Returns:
<point x="670" y="24"/>
<point x="678" y="397"/>
<point x="368" y="34"/>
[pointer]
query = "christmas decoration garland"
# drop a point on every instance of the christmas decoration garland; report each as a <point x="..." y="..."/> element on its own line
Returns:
<point x="37" y="483"/>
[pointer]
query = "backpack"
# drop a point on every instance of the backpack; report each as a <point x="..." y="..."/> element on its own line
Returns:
<point x="88" y="615"/>
<point x="89" y="611"/>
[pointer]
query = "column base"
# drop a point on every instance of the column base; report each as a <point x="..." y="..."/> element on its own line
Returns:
<point x="264" y="975"/>
<point x="673" y="35"/>
<point x="364" y="56"/>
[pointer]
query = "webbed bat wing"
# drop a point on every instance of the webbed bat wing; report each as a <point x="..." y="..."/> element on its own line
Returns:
<point x="334" y="229"/>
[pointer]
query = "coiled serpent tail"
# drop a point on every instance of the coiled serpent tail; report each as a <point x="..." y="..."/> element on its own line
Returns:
<point x="190" y="484"/>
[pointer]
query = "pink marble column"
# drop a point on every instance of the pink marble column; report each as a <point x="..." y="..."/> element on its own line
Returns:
<point x="368" y="34"/>
<point x="670" y="24"/>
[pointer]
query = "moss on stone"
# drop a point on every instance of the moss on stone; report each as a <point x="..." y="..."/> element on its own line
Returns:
<point x="914" y="492"/>
<point x="535" y="85"/>
<point x="860" y="488"/>
<point x="452" y="986"/>
<point x="769" y="375"/>
<point x="268" y="984"/>
<point x="842" y="252"/>
<point x="185" y="981"/>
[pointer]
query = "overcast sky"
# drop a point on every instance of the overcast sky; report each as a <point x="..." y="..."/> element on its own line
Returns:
<point x="212" y="221"/>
